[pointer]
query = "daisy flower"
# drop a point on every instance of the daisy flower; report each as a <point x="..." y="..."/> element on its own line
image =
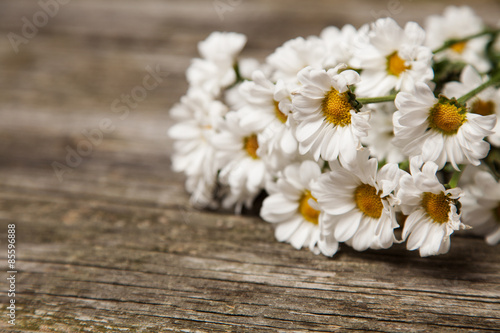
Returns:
<point x="196" y="115"/>
<point x="293" y="210"/>
<point x="271" y="104"/>
<point x="487" y="102"/>
<point x="327" y="122"/>
<point x="247" y="66"/>
<point x="391" y="58"/>
<point x="241" y="168"/>
<point x="381" y="134"/>
<point x="433" y="212"/>
<point x="481" y="210"/>
<point x="216" y="69"/>
<point x="233" y="98"/>
<point x="294" y="55"/>
<point x="440" y="130"/>
<point x="357" y="203"/>
<point x="457" y="23"/>
<point x="338" y="44"/>
<point x="222" y="47"/>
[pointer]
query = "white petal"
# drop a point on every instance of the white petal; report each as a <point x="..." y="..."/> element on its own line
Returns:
<point x="411" y="222"/>
<point x="433" y="147"/>
<point x="309" y="171"/>
<point x="433" y="241"/>
<point x="305" y="130"/>
<point x="328" y="245"/>
<point x="275" y="206"/>
<point x="418" y="236"/>
<point x="300" y="236"/>
<point x="363" y="239"/>
<point x="347" y="226"/>
<point x="285" y="230"/>
<point x="493" y="238"/>
<point x="386" y="236"/>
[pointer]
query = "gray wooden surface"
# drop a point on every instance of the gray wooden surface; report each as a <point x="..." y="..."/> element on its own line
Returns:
<point x="114" y="246"/>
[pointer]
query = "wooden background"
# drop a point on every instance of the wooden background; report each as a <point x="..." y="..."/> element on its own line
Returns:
<point x="114" y="246"/>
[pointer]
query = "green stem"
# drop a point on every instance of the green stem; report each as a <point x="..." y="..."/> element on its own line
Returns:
<point x="452" y="42"/>
<point x="455" y="177"/>
<point x="380" y="99"/>
<point x="495" y="79"/>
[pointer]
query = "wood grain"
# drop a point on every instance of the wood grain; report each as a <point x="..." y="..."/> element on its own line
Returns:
<point x="115" y="247"/>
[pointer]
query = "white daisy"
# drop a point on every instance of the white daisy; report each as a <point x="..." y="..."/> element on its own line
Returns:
<point x="222" y="47"/>
<point x="272" y="100"/>
<point x="457" y="23"/>
<point x="240" y="166"/>
<point x="381" y="134"/>
<point x="357" y="203"/>
<point x="327" y="123"/>
<point x="293" y="210"/>
<point x="247" y="66"/>
<point x="487" y="102"/>
<point x="440" y="130"/>
<point x="196" y="115"/>
<point x="215" y="70"/>
<point x="391" y="58"/>
<point x="271" y="104"/>
<point x="233" y="98"/>
<point x="294" y="55"/>
<point x="338" y="44"/>
<point x="206" y="75"/>
<point x="481" y="210"/>
<point x="432" y="211"/>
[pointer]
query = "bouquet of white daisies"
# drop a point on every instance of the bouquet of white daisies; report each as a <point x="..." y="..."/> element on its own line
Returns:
<point x="350" y="134"/>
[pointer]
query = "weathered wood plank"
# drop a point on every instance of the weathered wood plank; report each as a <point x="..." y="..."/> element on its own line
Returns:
<point x="196" y="272"/>
<point x="115" y="247"/>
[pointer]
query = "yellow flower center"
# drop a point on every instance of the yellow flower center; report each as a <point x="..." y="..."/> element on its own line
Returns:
<point x="251" y="145"/>
<point x="310" y="214"/>
<point x="484" y="108"/>
<point x="368" y="201"/>
<point x="396" y="65"/>
<point x="337" y="108"/>
<point x="458" y="47"/>
<point x="280" y="115"/>
<point x="446" y="118"/>
<point x="437" y="206"/>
